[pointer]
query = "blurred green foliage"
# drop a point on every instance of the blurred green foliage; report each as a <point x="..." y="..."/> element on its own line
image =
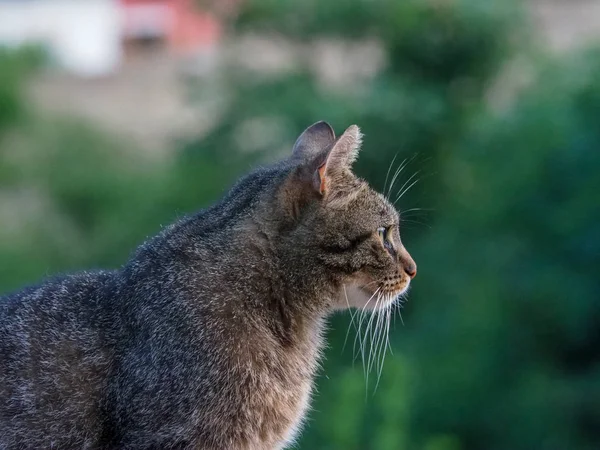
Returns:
<point x="13" y="66"/>
<point x="501" y="347"/>
<point x="506" y="343"/>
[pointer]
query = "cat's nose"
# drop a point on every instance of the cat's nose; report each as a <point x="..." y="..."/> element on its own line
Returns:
<point x="408" y="264"/>
<point x="411" y="270"/>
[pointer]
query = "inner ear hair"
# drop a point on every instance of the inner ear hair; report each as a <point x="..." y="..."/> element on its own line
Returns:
<point x="345" y="150"/>
<point x="338" y="160"/>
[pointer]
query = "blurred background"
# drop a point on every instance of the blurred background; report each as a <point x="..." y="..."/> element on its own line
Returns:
<point x="118" y="117"/>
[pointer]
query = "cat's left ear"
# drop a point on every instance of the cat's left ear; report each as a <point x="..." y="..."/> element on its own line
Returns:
<point x="314" y="141"/>
<point x="338" y="161"/>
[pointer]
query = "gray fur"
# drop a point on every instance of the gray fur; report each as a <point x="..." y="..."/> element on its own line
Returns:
<point x="209" y="337"/>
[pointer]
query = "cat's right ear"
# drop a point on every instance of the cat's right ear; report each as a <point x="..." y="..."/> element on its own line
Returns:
<point x="311" y="148"/>
<point x="314" y="141"/>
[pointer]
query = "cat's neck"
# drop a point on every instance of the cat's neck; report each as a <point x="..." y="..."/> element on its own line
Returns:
<point x="293" y="302"/>
<point x="249" y="272"/>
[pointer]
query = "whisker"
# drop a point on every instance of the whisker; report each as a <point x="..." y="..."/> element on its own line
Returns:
<point x="404" y="219"/>
<point x="375" y="344"/>
<point x="399" y="309"/>
<point x="404" y="211"/>
<point x="415" y="222"/>
<point x="377" y="332"/>
<point x="398" y="172"/>
<point x="406" y="190"/>
<point x="374" y="341"/>
<point x="388" y="171"/>
<point x="369" y="333"/>
<point x="351" y="319"/>
<point x="403" y="190"/>
<point x="369" y="283"/>
<point x="390" y="313"/>
<point x="361" y="318"/>
<point x="384" y="343"/>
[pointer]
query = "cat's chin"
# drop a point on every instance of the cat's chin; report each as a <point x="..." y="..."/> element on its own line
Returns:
<point x="360" y="298"/>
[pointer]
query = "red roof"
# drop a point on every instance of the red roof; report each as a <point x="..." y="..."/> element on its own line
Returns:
<point x="180" y="21"/>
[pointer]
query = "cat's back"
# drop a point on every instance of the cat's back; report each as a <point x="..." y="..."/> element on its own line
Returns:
<point x="55" y="351"/>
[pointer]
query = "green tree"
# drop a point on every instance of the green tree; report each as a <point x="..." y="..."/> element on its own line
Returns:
<point x="506" y="342"/>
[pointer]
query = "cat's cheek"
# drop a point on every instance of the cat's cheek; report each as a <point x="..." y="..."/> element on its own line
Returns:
<point x="353" y="297"/>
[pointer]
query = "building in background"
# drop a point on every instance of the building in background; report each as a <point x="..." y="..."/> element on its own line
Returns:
<point x="90" y="38"/>
<point x="182" y="27"/>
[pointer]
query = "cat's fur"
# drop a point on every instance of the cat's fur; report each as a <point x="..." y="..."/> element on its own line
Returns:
<point x="209" y="337"/>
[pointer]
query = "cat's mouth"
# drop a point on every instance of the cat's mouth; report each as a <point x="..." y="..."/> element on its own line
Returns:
<point x="364" y="297"/>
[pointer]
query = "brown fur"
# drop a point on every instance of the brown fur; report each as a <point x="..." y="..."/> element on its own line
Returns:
<point x="210" y="336"/>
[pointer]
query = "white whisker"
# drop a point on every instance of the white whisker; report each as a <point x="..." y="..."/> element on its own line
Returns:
<point x="403" y="190"/>
<point x="375" y="340"/>
<point x="388" y="172"/>
<point x="369" y="333"/>
<point x="377" y="332"/>
<point x="351" y="319"/>
<point x="415" y="209"/>
<point x="402" y="166"/>
<point x="384" y="339"/>
<point x="390" y="313"/>
<point x="395" y="177"/>
<point x="361" y="318"/>
<point x="400" y="310"/>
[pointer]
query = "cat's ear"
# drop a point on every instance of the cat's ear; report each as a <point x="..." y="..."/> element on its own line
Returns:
<point x="338" y="160"/>
<point x="315" y="140"/>
<point x="325" y="167"/>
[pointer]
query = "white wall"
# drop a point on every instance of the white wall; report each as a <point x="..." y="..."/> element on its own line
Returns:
<point x="84" y="36"/>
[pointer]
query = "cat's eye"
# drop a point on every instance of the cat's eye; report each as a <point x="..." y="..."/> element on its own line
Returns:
<point x="382" y="232"/>
<point x="384" y="235"/>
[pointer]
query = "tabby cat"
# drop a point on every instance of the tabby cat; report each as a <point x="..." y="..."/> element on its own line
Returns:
<point x="210" y="336"/>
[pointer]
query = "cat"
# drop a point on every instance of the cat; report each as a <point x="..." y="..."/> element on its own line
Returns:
<point x="210" y="336"/>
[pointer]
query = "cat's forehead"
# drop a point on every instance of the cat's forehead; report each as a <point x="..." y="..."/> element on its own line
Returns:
<point x="376" y="205"/>
<point x="387" y="209"/>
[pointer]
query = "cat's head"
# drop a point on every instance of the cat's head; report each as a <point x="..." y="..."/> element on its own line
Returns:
<point x="343" y="226"/>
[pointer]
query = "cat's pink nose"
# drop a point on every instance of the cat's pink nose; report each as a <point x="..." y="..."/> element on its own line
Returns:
<point x="408" y="264"/>
<point x="411" y="270"/>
